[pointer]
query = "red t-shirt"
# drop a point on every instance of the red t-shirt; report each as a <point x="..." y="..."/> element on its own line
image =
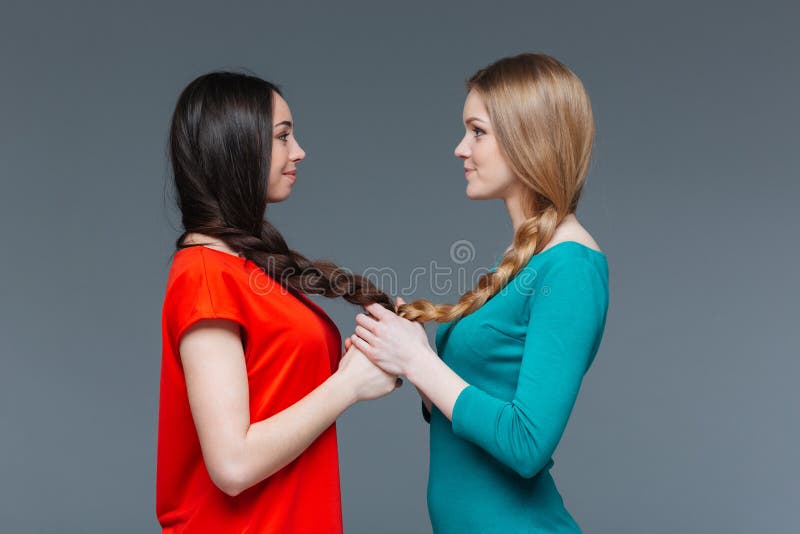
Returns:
<point x="290" y="347"/>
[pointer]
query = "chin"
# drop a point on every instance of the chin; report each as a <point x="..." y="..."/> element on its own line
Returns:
<point x="477" y="194"/>
<point x="275" y="198"/>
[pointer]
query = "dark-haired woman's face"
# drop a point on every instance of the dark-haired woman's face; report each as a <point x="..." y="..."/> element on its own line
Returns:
<point x="286" y="153"/>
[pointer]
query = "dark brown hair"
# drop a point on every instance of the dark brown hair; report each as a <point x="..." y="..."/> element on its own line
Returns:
<point x="220" y="144"/>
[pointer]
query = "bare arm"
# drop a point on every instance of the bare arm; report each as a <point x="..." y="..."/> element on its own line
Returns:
<point x="238" y="454"/>
<point x="440" y="384"/>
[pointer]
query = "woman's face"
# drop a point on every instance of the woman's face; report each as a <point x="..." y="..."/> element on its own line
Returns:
<point x="286" y="153"/>
<point x="488" y="175"/>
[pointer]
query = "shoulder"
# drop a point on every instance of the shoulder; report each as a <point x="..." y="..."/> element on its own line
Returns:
<point x="571" y="229"/>
<point x="571" y="247"/>
<point x="199" y="275"/>
<point x="568" y="257"/>
<point x="194" y="263"/>
<point x="204" y="285"/>
<point x="569" y="270"/>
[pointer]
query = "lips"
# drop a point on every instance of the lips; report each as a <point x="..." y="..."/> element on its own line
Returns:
<point x="292" y="175"/>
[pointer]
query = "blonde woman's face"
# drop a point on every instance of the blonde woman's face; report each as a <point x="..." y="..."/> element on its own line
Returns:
<point x="488" y="175"/>
<point x="286" y="152"/>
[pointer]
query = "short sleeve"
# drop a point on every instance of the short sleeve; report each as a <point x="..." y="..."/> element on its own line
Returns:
<point x="567" y="319"/>
<point x="201" y="290"/>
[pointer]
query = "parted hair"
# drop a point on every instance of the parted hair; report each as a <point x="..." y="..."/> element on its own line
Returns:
<point x="543" y="120"/>
<point x="220" y="144"/>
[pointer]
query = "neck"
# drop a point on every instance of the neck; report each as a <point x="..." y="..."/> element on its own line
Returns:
<point x="515" y="211"/>
<point x="195" y="238"/>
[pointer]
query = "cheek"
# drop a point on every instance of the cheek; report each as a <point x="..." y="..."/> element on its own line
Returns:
<point x="278" y="158"/>
<point x="486" y="162"/>
<point x="274" y="175"/>
<point x="494" y="162"/>
<point x="502" y="179"/>
<point x="476" y="154"/>
<point x="486" y="155"/>
<point x="504" y="173"/>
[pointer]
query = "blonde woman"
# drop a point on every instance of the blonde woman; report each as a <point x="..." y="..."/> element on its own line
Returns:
<point x="511" y="354"/>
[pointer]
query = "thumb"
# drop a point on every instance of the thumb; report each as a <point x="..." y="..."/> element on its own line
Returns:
<point x="400" y="301"/>
<point x="347" y="343"/>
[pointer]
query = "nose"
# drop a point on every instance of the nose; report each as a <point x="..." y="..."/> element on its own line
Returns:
<point x="462" y="150"/>
<point x="297" y="154"/>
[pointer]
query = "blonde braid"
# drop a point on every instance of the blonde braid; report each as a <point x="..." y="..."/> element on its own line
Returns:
<point x="529" y="239"/>
<point x="545" y="130"/>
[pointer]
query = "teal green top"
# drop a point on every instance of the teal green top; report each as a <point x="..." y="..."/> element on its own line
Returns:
<point x="524" y="354"/>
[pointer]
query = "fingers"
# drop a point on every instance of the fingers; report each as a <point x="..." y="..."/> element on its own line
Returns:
<point x="367" y="322"/>
<point x="365" y="334"/>
<point x="361" y="345"/>
<point x="376" y="310"/>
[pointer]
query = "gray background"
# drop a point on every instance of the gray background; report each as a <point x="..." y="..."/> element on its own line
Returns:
<point x="688" y="420"/>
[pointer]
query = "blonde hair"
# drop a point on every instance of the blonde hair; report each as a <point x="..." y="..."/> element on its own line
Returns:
<point x="543" y="121"/>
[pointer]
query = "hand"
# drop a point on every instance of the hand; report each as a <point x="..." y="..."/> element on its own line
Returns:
<point x="367" y="380"/>
<point x="389" y="341"/>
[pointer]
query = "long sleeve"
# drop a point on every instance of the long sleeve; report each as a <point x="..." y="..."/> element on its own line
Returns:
<point x="567" y="318"/>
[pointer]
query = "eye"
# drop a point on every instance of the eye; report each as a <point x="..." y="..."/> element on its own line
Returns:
<point x="478" y="132"/>
<point x="284" y="137"/>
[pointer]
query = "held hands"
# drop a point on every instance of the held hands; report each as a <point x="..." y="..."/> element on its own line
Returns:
<point x="366" y="379"/>
<point x="389" y="341"/>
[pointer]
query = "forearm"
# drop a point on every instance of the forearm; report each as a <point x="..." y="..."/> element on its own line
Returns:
<point x="436" y="381"/>
<point x="271" y="444"/>
<point x="425" y="400"/>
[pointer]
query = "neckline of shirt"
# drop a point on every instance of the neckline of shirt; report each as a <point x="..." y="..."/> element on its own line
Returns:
<point x="209" y="248"/>
<point x="600" y="252"/>
<point x="597" y="253"/>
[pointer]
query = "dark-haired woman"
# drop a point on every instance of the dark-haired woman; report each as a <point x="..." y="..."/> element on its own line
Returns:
<point x="252" y="377"/>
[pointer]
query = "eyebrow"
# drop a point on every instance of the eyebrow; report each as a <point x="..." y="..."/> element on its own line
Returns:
<point x="283" y="123"/>
<point x="473" y="119"/>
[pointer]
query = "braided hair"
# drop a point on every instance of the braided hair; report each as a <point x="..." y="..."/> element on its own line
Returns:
<point x="543" y="120"/>
<point x="220" y="144"/>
